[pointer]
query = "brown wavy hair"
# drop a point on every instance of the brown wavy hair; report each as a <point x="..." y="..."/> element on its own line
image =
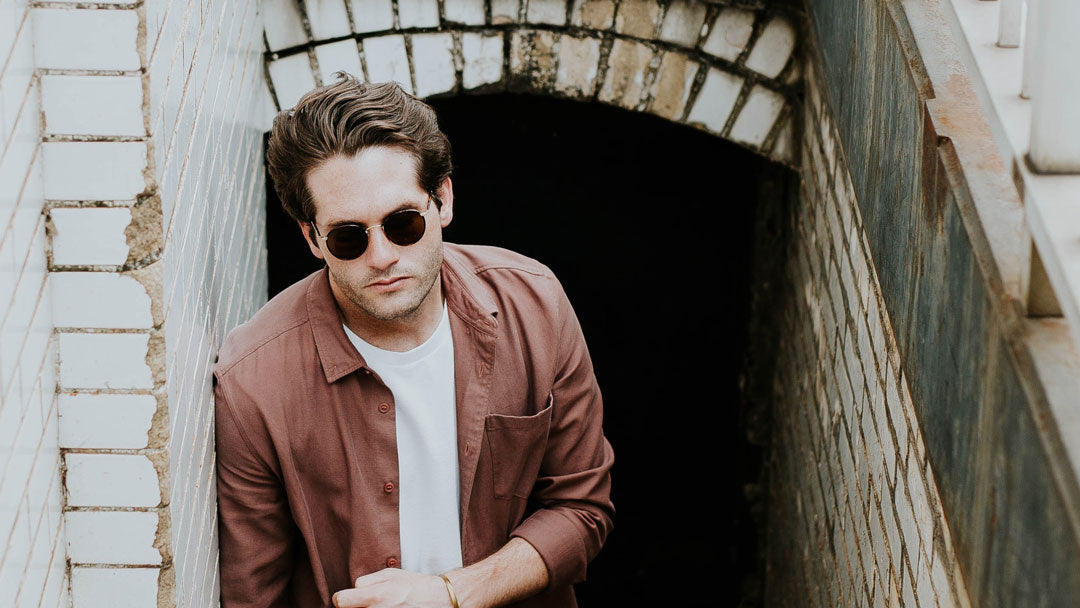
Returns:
<point x="344" y="118"/>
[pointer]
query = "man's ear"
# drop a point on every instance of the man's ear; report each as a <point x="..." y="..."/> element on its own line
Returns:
<point x="308" y="231"/>
<point x="446" y="194"/>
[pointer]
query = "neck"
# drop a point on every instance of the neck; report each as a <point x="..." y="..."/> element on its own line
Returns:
<point x="400" y="334"/>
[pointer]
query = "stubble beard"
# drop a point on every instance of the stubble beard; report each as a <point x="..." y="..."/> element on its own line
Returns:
<point x="382" y="310"/>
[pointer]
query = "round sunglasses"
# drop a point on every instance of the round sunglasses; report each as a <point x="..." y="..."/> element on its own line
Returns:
<point x="349" y="241"/>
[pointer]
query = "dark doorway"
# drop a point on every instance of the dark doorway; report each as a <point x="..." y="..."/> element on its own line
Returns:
<point x="650" y="227"/>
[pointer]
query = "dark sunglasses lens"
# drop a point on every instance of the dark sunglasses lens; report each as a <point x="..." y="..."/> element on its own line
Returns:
<point x="347" y="242"/>
<point x="404" y="227"/>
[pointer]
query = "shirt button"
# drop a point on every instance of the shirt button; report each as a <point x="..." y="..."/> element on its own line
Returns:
<point x="389" y="487"/>
<point x="384" y="407"/>
<point x="391" y="562"/>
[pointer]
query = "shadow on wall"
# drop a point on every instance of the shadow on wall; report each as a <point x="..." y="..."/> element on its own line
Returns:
<point x="650" y="227"/>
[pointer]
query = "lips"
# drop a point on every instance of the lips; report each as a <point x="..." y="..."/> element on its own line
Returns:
<point x="389" y="281"/>
<point x="387" y="285"/>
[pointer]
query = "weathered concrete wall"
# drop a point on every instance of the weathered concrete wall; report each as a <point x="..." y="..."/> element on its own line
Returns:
<point x="854" y="509"/>
<point x="948" y="289"/>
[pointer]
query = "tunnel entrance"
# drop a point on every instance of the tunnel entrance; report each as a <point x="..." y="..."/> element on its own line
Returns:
<point x="651" y="228"/>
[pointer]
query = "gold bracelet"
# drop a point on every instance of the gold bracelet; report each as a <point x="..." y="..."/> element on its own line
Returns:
<point x="450" y="590"/>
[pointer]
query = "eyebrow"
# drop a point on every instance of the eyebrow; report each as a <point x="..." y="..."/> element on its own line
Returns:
<point x="403" y="205"/>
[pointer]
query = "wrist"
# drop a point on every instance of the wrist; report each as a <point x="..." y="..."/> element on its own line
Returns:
<point x="450" y="591"/>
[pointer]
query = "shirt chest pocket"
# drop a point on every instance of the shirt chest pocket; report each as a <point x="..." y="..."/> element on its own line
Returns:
<point x="517" y="445"/>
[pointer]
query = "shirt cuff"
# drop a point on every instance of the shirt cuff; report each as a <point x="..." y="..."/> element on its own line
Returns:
<point x="555" y="537"/>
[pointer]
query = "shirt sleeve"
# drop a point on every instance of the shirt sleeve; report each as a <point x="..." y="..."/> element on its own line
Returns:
<point x="256" y="531"/>
<point x="573" y="488"/>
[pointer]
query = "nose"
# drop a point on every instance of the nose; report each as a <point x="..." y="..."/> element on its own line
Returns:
<point x="381" y="253"/>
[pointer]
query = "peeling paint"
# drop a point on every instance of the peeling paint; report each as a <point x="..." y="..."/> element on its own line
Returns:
<point x="155" y="356"/>
<point x="145" y="234"/>
<point x="166" y="587"/>
<point x="161" y="535"/>
<point x="150" y="277"/>
<point x="158" y="434"/>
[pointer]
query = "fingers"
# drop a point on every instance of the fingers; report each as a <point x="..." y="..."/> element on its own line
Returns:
<point x="351" y="598"/>
<point x="362" y="595"/>
<point x="379" y="576"/>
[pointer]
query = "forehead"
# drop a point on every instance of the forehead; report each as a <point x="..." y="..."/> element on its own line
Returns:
<point x="363" y="187"/>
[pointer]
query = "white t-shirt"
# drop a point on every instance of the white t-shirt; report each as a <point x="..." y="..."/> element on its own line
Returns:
<point x="422" y="382"/>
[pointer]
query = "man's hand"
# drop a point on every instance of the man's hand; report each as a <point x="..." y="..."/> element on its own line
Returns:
<point x="512" y="573"/>
<point x="395" y="588"/>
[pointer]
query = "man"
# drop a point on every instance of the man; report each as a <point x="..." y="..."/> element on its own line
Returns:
<point x="418" y="423"/>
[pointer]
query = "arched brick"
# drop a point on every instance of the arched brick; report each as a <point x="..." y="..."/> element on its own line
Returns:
<point x="593" y="14"/>
<point x="730" y="33"/>
<point x="483" y="59"/>
<point x="625" y="80"/>
<point x="579" y="60"/>
<point x="637" y="18"/>
<point x="773" y="47"/>
<point x="722" y="69"/>
<point x="671" y="89"/>
<point x="532" y="57"/>
<point x="683" y="22"/>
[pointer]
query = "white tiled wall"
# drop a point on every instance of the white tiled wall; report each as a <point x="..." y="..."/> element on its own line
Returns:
<point x="148" y="176"/>
<point x="209" y="109"/>
<point x="32" y="566"/>
<point x="94" y="154"/>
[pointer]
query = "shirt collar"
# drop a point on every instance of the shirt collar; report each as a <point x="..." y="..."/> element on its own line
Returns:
<point x="465" y="296"/>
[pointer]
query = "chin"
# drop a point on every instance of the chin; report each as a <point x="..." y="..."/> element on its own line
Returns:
<point x="397" y="306"/>
<point x="391" y="313"/>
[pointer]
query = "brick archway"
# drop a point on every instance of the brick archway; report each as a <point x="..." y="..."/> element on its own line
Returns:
<point x="727" y="70"/>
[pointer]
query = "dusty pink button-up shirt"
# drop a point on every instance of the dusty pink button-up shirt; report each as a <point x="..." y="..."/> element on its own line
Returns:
<point x="306" y="442"/>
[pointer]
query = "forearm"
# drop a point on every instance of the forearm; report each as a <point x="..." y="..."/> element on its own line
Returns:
<point x="514" y="572"/>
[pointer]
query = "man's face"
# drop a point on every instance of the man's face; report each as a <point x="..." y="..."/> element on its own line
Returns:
<point x="364" y="189"/>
